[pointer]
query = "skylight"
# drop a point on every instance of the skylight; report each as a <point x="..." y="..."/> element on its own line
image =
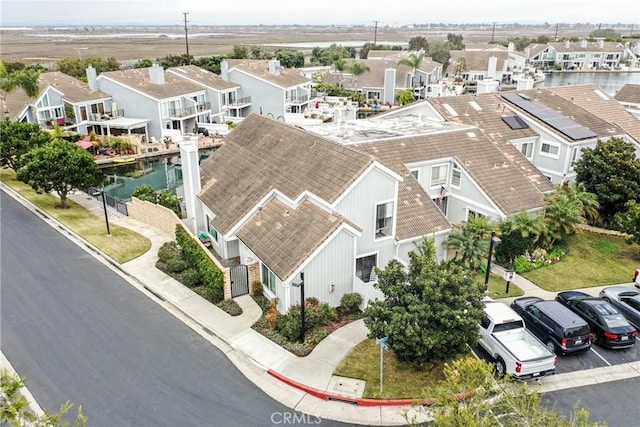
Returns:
<point x="601" y="94"/>
<point x="450" y="110"/>
<point x="475" y="105"/>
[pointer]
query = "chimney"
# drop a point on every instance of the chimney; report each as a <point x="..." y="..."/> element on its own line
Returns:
<point x="91" y="78"/>
<point x="274" y="67"/>
<point x="510" y="47"/>
<point x="224" y="70"/>
<point x="583" y="44"/>
<point x="156" y="74"/>
<point x="601" y="43"/>
<point x="567" y="43"/>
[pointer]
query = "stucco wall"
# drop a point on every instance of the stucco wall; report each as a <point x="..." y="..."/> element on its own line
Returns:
<point x="155" y="215"/>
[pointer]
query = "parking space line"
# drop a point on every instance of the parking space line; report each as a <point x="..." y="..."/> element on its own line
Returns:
<point x="598" y="354"/>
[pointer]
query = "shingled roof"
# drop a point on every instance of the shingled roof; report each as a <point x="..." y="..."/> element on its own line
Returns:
<point x="260" y="68"/>
<point x="261" y="155"/>
<point x="491" y="168"/>
<point x="203" y="76"/>
<point x="283" y="237"/>
<point x="596" y="101"/>
<point x="602" y="128"/>
<point x="72" y="89"/>
<point x="629" y="93"/>
<point x="138" y="79"/>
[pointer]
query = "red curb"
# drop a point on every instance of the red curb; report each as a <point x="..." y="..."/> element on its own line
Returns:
<point x="357" y="400"/>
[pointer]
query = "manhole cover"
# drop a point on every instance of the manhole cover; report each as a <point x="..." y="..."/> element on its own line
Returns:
<point x="346" y="386"/>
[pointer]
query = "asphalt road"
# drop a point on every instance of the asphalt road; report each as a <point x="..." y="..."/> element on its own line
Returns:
<point x="77" y="331"/>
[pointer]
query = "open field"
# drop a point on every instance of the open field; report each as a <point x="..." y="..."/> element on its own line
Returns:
<point x="45" y="45"/>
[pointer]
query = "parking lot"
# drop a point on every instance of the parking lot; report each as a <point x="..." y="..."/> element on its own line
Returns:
<point x="597" y="357"/>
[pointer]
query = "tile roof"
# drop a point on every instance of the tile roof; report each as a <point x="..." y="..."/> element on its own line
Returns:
<point x="629" y="93"/>
<point x="138" y="79"/>
<point x="15" y="102"/>
<point x="596" y="101"/>
<point x="259" y="68"/>
<point x="73" y="89"/>
<point x="261" y="155"/>
<point x="493" y="169"/>
<point x="283" y="237"/>
<point x="203" y="76"/>
<point x="489" y="119"/>
<point x="478" y="60"/>
<point x="592" y="122"/>
<point x="560" y="47"/>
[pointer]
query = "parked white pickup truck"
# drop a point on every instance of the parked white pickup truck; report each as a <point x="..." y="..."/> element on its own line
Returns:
<point x="515" y="351"/>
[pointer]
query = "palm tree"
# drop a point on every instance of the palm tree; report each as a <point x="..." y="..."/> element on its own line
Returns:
<point x="469" y="241"/>
<point x="525" y="224"/>
<point x="414" y="61"/>
<point x="25" y="79"/>
<point x="562" y="217"/>
<point x="588" y="201"/>
<point x="339" y="65"/>
<point x="357" y="69"/>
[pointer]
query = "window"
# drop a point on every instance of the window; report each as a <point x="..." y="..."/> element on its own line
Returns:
<point x="473" y="214"/>
<point x="384" y="219"/>
<point x="549" y="149"/>
<point x="415" y="173"/>
<point x="364" y="268"/>
<point x="269" y="279"/>
<point x="438" y="175"/>
<point x="527" y="149"/>
<point x="455" y="176"/>
<point x="442" y="203"/>
<point x="574" y="155"/>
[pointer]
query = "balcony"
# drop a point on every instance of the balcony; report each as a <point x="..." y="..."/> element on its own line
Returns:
<point x="240" y="103"/>
<point x="107" y="115"/>
<point x="297" y="100"/>
<point x="189" y="111"/>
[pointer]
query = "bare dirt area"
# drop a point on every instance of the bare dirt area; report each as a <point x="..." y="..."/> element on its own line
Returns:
<point x="131" y="43"/>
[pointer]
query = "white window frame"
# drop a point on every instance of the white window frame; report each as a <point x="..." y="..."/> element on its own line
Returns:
<point x="551" y="145"/>
<point x="455" y="170"/>
<point x="367" y="255"/>
<point x="389" y="220"/>
<point x="271" y="281"/>
<point x="530" y="145"/>
<point x="575" y="156"/>
<point x="442" y="178"/>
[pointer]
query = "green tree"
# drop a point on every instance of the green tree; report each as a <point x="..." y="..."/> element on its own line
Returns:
<point x="418" y="43"/>
<point x="76" y="67"/>
<point x="26" y="79"/>
<point x="211" y="63"/>
<point x="16" y="139"/>
<point x="430" y="312"/>
<point x="518" y="234"/>
<point x="58" y="166"/>
<point x="357" y="69"/>
<point x="145" y="192"/>
<point x="611" y="171"/>
<point x="495" y="402"/>
<point x="454" y="41"/>
<point x="439" y="52"/>
<point x="628" y="221"/>
<point x="175" y="60"/>
<point x="414" y="61"/>
<point x="14" y="408"/>
<point x="144" y="63"/>
<point x="470" y="241"/>
<point x="405" y="96"/>
<point x="239" y="52"/>
<point x="459" y="67"/>
<point x="588" y="202"/>
<point x="258" y="51"/>
<point x="290" y="58"/>
<point x="562" y="216"/>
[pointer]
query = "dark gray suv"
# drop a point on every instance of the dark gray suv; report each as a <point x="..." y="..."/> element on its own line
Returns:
<point x="559" y="328"/>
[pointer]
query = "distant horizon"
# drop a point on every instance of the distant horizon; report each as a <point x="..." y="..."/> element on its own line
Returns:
<point x="66" y="13"/>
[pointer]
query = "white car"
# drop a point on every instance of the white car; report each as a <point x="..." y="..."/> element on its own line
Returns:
<point x="636" y="278"/>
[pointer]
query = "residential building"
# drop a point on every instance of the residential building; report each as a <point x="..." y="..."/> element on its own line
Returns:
<point x="629" y="97"/>
<point x="479" y="65"/>
<point x="583" y="55"/>
<point x="171" y="105"/>
<point x="228" y="103"/>
<point x="275" y="91"/>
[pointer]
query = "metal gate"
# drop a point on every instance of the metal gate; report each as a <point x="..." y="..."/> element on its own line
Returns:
<point x="239" y="280"/>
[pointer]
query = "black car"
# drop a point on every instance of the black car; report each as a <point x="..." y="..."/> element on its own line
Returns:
<point x="559" y="328"/>
<point x="608" y="326"/>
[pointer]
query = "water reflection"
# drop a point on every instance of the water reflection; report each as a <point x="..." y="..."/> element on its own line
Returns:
<point x="609" y="82"/>
<point x="161" y="173"/>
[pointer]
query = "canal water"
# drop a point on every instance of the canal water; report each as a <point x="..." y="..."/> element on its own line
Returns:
<point x="161" y="173"/>
<point x="609" y="82"/>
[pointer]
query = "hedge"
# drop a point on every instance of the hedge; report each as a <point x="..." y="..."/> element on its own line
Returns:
<point x="212" y="277"/>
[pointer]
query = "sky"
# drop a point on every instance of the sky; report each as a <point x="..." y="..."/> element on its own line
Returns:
<point x="326" y="12"/>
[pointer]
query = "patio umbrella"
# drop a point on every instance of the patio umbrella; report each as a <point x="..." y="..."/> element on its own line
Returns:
<point x="85" y="142"/>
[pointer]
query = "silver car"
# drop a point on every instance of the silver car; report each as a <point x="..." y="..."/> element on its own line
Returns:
<point x="625" y="299"/>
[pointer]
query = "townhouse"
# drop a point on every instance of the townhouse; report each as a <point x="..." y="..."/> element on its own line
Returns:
<point x="583" y="55"/>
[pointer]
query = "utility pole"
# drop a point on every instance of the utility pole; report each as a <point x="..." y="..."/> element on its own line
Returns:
<point x="493" y="31"/>
<point x="556" y="37"/>
<point x="186" y="36"/>
<point x="375" y="33"/>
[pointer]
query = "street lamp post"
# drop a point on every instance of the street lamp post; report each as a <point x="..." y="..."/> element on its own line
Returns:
<point x="301" y="286"/>
<point x="494" y="242"/>
<point x="106" y="216"/>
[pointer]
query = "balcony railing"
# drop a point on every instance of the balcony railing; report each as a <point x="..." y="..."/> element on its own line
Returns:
<point x="189" y="111"/>
<point x="240" y="102"/>
<point x="107" y="115"/>
<point x="298" y="99"/>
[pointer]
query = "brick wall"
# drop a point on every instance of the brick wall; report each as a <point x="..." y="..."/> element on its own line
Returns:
<point x="155" y="215"/>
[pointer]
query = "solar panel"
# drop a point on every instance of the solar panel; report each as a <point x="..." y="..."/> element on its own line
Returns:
<point x="515" y="122"/>
<point x="559" y="122"/>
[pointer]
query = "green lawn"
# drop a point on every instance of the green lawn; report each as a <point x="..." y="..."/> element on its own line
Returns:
<point x="592" y="260"/>
<point x="497" y="287"/>
<point x="123" y="245"/>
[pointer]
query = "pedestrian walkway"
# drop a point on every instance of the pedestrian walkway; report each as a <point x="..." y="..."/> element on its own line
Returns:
<point x="265" y="363"/>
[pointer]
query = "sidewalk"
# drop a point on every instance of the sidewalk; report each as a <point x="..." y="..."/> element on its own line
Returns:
<point x="305" y="384"/>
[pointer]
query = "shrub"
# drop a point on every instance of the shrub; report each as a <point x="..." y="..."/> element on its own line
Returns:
<point x="230" y="307"/>
<point x="190" y="277"/>
<point x="329" y="314"/>
<point x="256" y="289"/>
<point x="351" y="302"/>
<point x="312" y="301"/>
<point x="169" y="250"/>
<point x="272" y="314"/>
<point x="289" y="325"/>
<point x="176" y="265"/>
